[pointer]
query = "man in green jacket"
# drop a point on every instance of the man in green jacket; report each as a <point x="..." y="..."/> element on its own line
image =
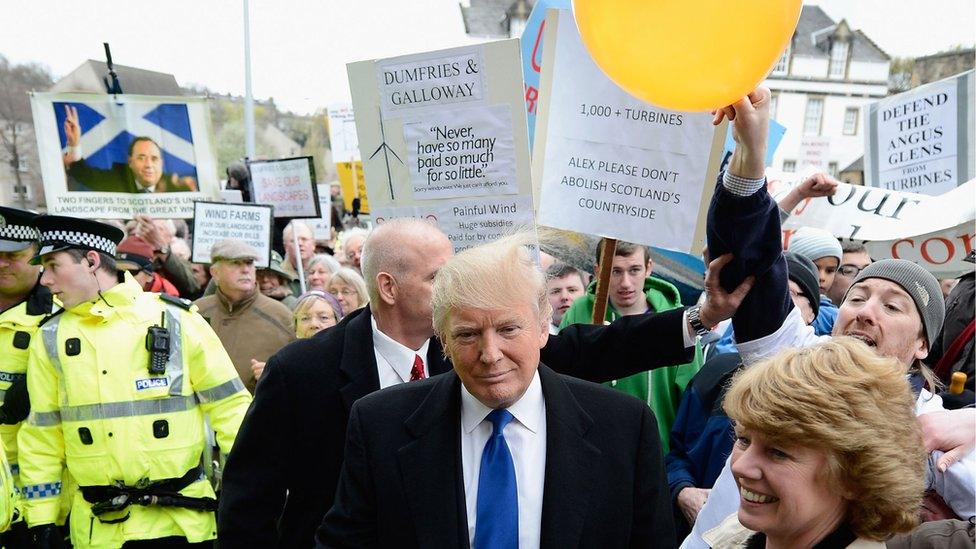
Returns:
<point x="634" y="291"/>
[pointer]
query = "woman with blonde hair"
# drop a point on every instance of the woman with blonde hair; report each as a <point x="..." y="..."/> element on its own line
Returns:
<point x="827" y="452"/>
<point x="349" y="286"/>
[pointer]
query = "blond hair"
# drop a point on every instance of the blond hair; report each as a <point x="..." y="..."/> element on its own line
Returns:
<point x="491" y="276"/>
<point x="354" y="279"/>
<point x="857" y="406"/>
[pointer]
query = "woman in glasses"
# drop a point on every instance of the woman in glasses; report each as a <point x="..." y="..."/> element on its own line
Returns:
<point x="316" y="311"/>
<point x="350" y="288"/>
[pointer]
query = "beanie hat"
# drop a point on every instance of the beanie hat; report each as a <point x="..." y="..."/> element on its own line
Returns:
<point x="918" y="283"/>
<point x="134" y="254"/>
<point x="804" y="273"/>
<point x="814" y="243"/>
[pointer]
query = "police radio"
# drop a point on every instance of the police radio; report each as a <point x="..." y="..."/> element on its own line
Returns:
<point x="157" y="343"/>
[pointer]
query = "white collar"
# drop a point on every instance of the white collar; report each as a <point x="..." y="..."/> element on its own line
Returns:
<point x="397" y="354"/>
<point x="527" y="410"/>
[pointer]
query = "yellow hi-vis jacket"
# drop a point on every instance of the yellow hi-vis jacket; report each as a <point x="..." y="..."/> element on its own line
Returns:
<point x="18" y="327"/>
<point x="96" y="410"/>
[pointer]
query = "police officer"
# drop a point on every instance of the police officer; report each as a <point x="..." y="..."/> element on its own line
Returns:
<point x="119" y="384"/>
<point x="24" y="303"/>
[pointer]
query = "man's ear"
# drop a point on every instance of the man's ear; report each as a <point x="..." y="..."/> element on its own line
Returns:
<point x="94" y="261"/>
<point x="387" y="286"/>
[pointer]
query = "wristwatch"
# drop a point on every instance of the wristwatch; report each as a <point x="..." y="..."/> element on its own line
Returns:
<point x="694" y="318"/>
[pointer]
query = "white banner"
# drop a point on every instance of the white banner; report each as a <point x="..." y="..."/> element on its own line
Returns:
<point x="216" y="221"/>
<point x="287" y="184"/>
<point x="113" y="157"/>
<point x="471" y="221"/>
<point x="322" y="226"/>
<point x="921" y="141"/>
<point x="936" y="232"/>
<point x="430" y="80"/>
<point x="612" y="165"/>
<point x="342" y="133"/>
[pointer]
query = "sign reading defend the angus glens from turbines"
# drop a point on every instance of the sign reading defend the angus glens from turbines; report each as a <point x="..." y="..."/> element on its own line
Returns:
<point x="612" y="165"/>
<point x="443" y="137"/>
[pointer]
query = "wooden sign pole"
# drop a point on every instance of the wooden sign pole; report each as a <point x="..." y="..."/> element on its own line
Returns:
<point x="607" y="249"/>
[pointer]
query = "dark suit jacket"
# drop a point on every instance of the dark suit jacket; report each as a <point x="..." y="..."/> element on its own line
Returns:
<point x="293" y="436"/>
<point x="119" y="179"/>
<point x="401" y="482"/>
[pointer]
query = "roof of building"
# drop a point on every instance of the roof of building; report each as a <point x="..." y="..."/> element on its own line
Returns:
<point x="486" y="18"/>
<point x="90" y="77"/>
<point x="856" y="166"/>
<point x="814" y="30"/>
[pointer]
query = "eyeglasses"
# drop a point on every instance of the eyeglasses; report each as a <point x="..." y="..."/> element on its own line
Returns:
<point x="849" y="270"/>
<point x="347" y="292"/>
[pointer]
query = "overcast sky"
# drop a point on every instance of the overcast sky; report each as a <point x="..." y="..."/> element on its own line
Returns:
<point x="299" y="48"/>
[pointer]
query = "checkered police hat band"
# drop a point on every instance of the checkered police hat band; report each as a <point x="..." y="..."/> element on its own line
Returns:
<point x="82" y="240"/>
<point x="20" y="233"/>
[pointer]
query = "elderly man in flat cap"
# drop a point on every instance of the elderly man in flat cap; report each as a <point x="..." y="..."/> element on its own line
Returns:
<point x="251" y="325"/>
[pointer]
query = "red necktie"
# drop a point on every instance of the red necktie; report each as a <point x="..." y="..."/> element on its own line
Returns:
<point x="417" y="372"/>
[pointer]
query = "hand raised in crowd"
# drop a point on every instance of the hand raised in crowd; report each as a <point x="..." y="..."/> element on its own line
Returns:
<point x="816" y="186"/>
<point x="257" y="368"/>
<point x="950" y="431"/>
<point x="720" y="305"/>
<point x="750" y="129"/>
<point x="72" y="133"/>
<point x="147" y="229"/>
<point x="690" y="501"/>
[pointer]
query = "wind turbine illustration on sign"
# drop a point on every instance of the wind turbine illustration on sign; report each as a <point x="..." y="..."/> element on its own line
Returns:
<point x="387" y="150"/>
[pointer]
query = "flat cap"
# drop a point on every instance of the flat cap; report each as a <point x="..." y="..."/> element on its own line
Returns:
<point x="231" y="249"/>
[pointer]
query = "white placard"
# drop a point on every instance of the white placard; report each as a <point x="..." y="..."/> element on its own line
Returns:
<point x="612" y="165"/>
<point x="342" y="133"/>
<point x="462" y="152"/>
<point x="814" y="152"/>
<point x="322" y="226"/>
<point x="216" y="221"/>
<point x="418" y="82"/>
<point x="471" y="221"/>
<point x="287" y="184"/>
<point x="920" y="141"/>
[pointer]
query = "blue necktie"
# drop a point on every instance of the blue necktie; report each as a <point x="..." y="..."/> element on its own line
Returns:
<point x="496" y="526"/>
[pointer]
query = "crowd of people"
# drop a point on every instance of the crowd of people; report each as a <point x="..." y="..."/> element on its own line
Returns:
<point x="379" y="390"/>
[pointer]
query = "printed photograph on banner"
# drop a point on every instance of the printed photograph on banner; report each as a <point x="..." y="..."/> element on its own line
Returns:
<point x="118" y="156"/>
<point x="461" y="152"/>
<point x="421" y="81"/>
<point x="216" y="221"/>
<point x="613" y="165"/>
<point x="288" y="184"/>
<point x="469" y="222"/>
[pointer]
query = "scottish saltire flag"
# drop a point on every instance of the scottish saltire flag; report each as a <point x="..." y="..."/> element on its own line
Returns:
<point x="108" y="128"/>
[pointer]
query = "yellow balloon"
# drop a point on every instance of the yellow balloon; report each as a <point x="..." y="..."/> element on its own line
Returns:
<point x="686" y="55"/>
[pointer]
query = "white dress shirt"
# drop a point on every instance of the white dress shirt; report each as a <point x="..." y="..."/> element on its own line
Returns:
<point x="526" y="439"/>
<point x="394" y="360"/>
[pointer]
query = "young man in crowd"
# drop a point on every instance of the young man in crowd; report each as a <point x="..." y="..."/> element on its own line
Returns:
<point x="633" y="291"/>
<point x="854" y="259"/>
<point x="564" y="285"/>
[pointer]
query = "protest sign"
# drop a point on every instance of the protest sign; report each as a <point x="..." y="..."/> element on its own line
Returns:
<point x="353" y="183"/>
<point x="443" y="136"/>
<point x="322" y="226"/>
<point x="813" y="153"/>
<point x="776" y="133"/>
<point x="531" y="43"/>
<point x="612" y="165"/>
<point x="921" y="141"/>
<point x="288" y="184"/>
<point x="342" y="133"/>
<point x="895" y="224"/>
<point x="116" y="156"/>
<point x="216" y="221"/>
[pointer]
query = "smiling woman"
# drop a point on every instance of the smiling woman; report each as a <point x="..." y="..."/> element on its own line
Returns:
<point x="827" y="450"/>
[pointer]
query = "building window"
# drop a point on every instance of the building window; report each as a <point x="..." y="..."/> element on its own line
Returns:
<point x="22" y="165"/>
<point x="838" y="59"/>
<point x="811" y="121"/>
<point x="773" y="103"/>
<point x="783" y="65"/>
<point x="832" y="168"/>
<point x="850" y="120"/>
<point x="789" y="166"/>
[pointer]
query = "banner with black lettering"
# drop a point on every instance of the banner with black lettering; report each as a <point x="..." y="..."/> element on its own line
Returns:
<point x="216" y="221"/>
<point x="921" y="141"/>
